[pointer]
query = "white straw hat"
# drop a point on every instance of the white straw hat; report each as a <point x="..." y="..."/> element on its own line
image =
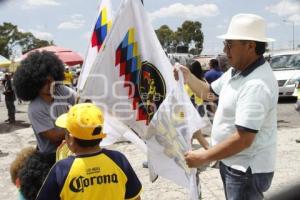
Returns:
<point x="247" y="27"/>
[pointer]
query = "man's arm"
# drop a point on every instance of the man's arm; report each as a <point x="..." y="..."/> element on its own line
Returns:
<point x="55" y="135"/>
<point x="234" y="144"/>
<point x="199" y="87"/>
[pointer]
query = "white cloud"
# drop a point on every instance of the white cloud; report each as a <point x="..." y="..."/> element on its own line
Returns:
<point x="287" y="9"/>
<point x="187" y="11"/>
<point x="38" y="34"/>
<point x="272" y="25"/>
<point x="76" y="22"/>
<point x="42" y="35"/>
<point x="36" y="3"/>
<point x="220" y="26"/>
<point x="295" y="18"/>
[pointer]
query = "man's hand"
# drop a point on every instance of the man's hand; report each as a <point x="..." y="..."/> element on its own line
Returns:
<point x="185" y="71"/>
<point x="196" y="158"/>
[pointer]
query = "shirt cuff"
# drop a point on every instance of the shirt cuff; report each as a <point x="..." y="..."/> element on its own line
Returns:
<point x="242" y="128"/>
<point x="210" y="88"/>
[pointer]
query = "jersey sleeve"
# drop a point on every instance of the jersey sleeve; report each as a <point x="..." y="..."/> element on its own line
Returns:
<point x="55" y="180"/>
<point x="133" y="185"/>
<point x="50" y="188"/>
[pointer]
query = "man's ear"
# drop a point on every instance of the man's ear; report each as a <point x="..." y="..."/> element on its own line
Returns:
<point x="71" y="143"/>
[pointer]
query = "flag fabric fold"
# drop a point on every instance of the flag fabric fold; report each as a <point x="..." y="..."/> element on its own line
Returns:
<point x="169" y="137"/>
<point x="99" y="32"/>
<point x="132" y="74"/>
<point x="132" y="79"/>
<point x="116" y="130"/>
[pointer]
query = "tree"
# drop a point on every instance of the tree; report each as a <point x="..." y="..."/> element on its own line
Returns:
<point x="10" y="37"/>
<point x="188" y="32"/>
<point x="165" y="36"/>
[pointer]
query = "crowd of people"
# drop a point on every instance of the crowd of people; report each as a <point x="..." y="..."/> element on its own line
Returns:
<point x="244" y="103"/>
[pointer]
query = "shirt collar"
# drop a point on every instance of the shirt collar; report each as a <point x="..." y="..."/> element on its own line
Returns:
<point x="260" y="61"/>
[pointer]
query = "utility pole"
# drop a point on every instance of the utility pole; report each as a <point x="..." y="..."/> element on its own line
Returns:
<point x="293" y="24"/>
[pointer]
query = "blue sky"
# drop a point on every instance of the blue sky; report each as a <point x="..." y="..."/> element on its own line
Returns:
<point x="68" y="22"/>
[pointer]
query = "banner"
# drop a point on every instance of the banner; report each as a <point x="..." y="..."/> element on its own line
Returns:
<point x="99" y="32"/>
<point x="169" y="136"/>
<point x="131" y="78"/>
<point x="116" y="130"/>
<point x="132" y="75"/>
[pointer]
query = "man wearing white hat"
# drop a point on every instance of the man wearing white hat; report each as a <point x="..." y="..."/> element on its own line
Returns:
<point x="244" y="128"/>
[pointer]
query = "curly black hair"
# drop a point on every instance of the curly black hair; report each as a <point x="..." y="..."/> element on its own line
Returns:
<point x="33" y="72"/>
<point x="33" y="174"/>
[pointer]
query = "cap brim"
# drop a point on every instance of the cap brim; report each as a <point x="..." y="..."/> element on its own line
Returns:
<point x="234" y="37"/>
<point x="61" y="121"/>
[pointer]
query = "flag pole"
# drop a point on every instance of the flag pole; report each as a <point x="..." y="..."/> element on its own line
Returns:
<point x="142" y="2"/>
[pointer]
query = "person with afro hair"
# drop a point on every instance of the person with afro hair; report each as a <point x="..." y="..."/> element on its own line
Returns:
<point x="39" y="79"/>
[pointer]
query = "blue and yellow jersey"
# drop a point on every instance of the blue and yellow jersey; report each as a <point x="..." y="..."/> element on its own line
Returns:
<point x="194" y="98"/>
<point x="103" y="175"/>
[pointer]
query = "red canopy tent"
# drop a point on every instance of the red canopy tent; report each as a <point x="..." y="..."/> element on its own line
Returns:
<point x="68" y="56"/>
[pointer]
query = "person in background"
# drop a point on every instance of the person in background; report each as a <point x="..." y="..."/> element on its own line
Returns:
<point x="68" y="77"/>
<point x="196" y="69"/>
<point x="9" y="99"/>
<point x="28" y="171"/>
<point x="93" y="173"/>
<point x="214" y="71"/>
<point x="39" y="80"/>
<point x="17" y="165"/>
<point x="210" y="76"/>
<point x="297" y="105"/>
<point x="244" y="132"/>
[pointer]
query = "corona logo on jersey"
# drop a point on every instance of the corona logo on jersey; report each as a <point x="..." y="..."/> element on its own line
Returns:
<point x="78" y="184"/>
<point x="149" y="88"/>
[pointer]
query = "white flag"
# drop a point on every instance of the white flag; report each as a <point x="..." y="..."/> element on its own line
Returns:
<point x="116" y="130"/>
<point x="169" y="137"/>
<point x="99" y="32"/>
<point x="131" y="78"/>
<point x="132" y="75"/>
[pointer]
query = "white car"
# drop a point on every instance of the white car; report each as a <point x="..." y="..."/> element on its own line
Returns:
<point x="286" y="67"/>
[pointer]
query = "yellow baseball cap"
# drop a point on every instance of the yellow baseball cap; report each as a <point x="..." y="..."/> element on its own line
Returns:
<point x="83" y="121"/>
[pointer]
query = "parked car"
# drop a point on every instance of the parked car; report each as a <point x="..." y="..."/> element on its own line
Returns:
<point x="286" y="67"/>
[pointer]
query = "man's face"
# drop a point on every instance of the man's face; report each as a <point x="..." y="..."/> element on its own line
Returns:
<point x="237" y="53"/>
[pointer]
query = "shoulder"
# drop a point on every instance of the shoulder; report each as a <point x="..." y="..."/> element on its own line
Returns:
<point x="116" y="156"/>
<point x="62" y="90"/>
<point x="63" y="167"/>
<point x="36" y="105"/>
<point x="65" y="162"/>
<point x="113" y="154"/>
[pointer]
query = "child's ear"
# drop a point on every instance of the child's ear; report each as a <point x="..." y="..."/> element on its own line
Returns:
<point x="18" y="182"/>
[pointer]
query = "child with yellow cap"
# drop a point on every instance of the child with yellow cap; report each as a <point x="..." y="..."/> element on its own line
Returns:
<point x="92" y="173"/>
